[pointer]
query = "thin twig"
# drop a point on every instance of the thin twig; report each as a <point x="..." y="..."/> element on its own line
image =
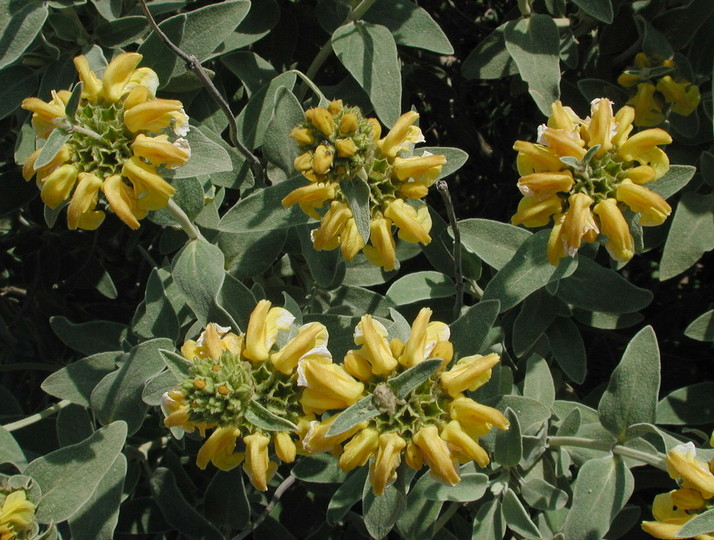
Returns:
<point x="282" y="488"/>
<point x="193" y="65"/>
<point x="443" y="189"/>
<point x="182" y="219"/>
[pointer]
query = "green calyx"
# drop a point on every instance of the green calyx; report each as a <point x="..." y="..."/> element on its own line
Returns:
<point x="107" y="155"/>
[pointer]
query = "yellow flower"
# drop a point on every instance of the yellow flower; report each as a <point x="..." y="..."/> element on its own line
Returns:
<point x="263" y="326"/>
<point x="434" y="424"/>
<point x="257" y="464"/>
<point x="648" y="112"/>
<point x="16" y="515"/>
<point x="218" y="449"/>
<point x="580" y="166"/>
<point x="437" y="455"/>
<point x="652" y="207"/>
<point x="115" y="144"/>
<point x="81" y="212"/>
<point x="383" y="470"/>
<point x="683" y="95"/>
<point x="619" y="244"/>
<point x="321" y="377"/>
<point x="682" y="463"/>
<point x="471" y="372"/>
<point x="284" y="447"/>
<point x="309" y="337"/>
<point x="339" y="145"/>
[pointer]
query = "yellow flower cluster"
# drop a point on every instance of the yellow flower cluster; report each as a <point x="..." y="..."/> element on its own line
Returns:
<point x="339" y="146"/>
<point x="228" y="373"/>
<point x="436" y="424"/>
<point x="118" y="136"/>
<point x="583" y="173"/>
<point x="694" y="496"/>
<point x="656" y="86"/>
<point x="17" y="515"/>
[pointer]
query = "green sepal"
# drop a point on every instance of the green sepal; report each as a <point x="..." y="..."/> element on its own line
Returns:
<point x="262" y="418"/>
<point x="177" y="364"/>
<point x="363" y="410"/>
<point x="52" y="147"/>
<point x="414" y="376"/>
<point x="357" y="192"/>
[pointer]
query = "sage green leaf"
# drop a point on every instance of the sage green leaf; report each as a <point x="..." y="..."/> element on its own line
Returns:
<point x="355" y="414"/>
<point x="699" y="524"/>
<point x="121" y="32"/>
<point x="526" y="272"/>
<point x="469" y="331"/>
<point x="20" y="22"/>
<point x="417" y="286"/>
<point x="410" y="25"/>
<point x="407" y="381"/>
<point x="359" y="300"/>
<point x="537" y="312"/>
<point x="599" y="88"/>
<point x="570" y="424"/>
<point x="177" y="511"/>
<point x="381" y="512"/>
<point x="50" y="149"/>
<point x="490" y="59"/>
<point x="702" y="328"/>
<point x="237" y="300"/>
<point x="252" y="70"/>
<point x="455" y="158"/>
<point x="177" y="364"/>
<point x="690" y="236"/>
<point x="541" y="495"/>
<point x="278" y="148"/>
<point x="494" y="242"/>
<point x="370" y="55"/>
<point x="326" y="266"/>
<point x="509" y="444"/>
<point x="357" y="192"/>
<point x="675" y="179"/>
<point x="70" y="108"/>
<point x="598" y="9"/>
<point x="420" y="515"/>
<point x="69" y="476"/>
<point x="691" y="405"/>
<point x="604" y="484"/>
<point x="198" y="273"/>
<point x="155" y="316"/>
<point x="568" y="348"/>
<point x="262" y="418"/>
<point x="90" y="337"/>
<point x="20" y="82"/>
<point x="607" y="321"/>
<point x="517" y="518"/>
<point x="141" y="516"/>
<point x="73" y="425"/>
<point x="538" y="383"/>
<point x="98" y="517"/>
<point x="261" y="18"/>
<point x="157" y="386"/>
<point x="320" y="469"/>
<point x="252" y="253"/>
<point x="489" y="523"/>
<point x="653" y="42"/>
<point x="262" y="211"/>
<point x="680" y="24"/>
<point x="199" y="33"/>
<point x="631" y="395"/>
<point x="76" y="381"/>
<point x="118" y="395"/>
<point x="534" y="44"/>
<point x="346" y="496"/>
<point x="254" y="118"/>
<point x="10" y="451"/>
<point x="471" y="488"/>
<point x="225" y="501"/>
<point x="584" y="290"/>
<point x="207" y="157"/>
<point x="531" y="413"/>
